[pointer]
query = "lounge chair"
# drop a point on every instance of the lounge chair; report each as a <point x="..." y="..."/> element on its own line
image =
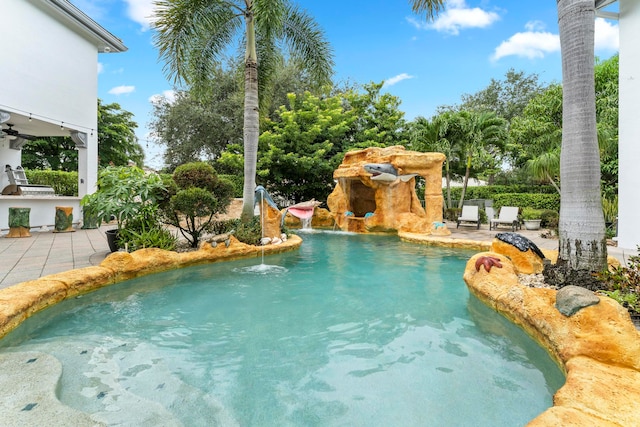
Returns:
<point x="491" y="214"/>
<point x="469" y="214"/>
<point x="508" y="216"/>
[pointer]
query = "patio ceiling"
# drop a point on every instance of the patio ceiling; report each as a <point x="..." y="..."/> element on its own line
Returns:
<point x="35" y="127"/>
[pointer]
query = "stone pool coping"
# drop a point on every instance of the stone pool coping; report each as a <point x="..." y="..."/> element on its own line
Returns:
<point x="598" y="348"/>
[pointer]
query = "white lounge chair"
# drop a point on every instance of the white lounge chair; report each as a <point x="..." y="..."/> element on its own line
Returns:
<point x="508" y="216"/>
<point x="469" y="214"/>
<point x="491" y="214"/>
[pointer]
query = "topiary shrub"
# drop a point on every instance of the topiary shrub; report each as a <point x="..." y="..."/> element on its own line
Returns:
<point x="192" y="200"/>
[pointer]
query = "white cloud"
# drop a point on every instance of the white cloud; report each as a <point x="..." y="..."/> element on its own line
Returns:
<point x="458" y="16"/>
<point x="534" y="26"/>
<point x="607" y="35"/>
<point x="536" y="43"/>
<point x="169" y="95"/>
<point x="100" y="67"/>
<point x="122" y="90"/>
<point x="141" y="11"/>
<point x="528" y="45"/>
<point x="396" y="79"/>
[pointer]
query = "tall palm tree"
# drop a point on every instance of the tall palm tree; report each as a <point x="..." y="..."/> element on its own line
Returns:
<point x="193" y="35"/>
<point x="581" y="227"/>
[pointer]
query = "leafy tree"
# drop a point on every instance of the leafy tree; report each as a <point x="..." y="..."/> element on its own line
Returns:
<point x="195" y="197"/>
<point x="192" y="34"/>
<point x="117" y="142"/>
<point x="378" y="120"/>
<point x="55" y="152"/>
<point x="194" y="130"/>
<point x="300" y="151"/>
<point x="305" y="142"/>
<point x="507" y="98"/>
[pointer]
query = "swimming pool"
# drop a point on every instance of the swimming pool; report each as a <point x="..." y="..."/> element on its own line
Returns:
<point x="349" y="330"/>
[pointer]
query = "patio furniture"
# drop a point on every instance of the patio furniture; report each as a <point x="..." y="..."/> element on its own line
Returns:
<point x="469" y="214"/>
<point x="508" y="216"/>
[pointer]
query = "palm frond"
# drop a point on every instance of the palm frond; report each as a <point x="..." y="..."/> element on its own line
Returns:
<point x="429" y="7"/>
<point x="192" y="35"/>
<point x="306" y="42"/>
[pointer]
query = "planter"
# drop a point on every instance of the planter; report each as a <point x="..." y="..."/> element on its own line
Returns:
<point x="112" y="239"/>
<point x="532" y="224"/>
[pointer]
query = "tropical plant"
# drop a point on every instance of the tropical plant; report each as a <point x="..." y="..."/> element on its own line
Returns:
<point x="622" y="283"/>
<point x="127" y="195"/>
<point x="123" y="194"/>
<point x="483" y="132"/>
<point x="193" y="34"/>
<point x="582" y="240"/>
<point x="195" y="198"/>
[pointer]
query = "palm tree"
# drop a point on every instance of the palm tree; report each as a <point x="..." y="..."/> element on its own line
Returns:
<point x="581" y="228"/>
<point x="193" y="35"/>
<point x="545" y="167"/>
<point x="480" y="131"/>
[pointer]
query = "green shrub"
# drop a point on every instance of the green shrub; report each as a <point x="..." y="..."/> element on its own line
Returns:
<point x="550" y="201"/>
<point x="531" y="213"/>
<point x="193" y="196"/>
<point x="622" y="283"/>
<point x="237" y="182"/>
<point x="63" y="183"/>
<point x="249" y="233"/>
<point x="550" y="219"/>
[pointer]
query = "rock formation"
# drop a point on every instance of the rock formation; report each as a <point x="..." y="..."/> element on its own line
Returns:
<point x="375" y="191"/>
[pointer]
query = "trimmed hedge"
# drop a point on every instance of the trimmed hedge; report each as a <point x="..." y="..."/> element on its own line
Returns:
<point x="63" y="183"/>
<point x="490" y="191"/>
<point x="528" y="200"/>
<point x="237" y="181"/>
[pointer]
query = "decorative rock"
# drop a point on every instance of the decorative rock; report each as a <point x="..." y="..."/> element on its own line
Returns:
<point x="219" y="238"/>
<point x="571" y="299"/>
<point x="265" y="241"/>
<point x="365" y="200"/>
<point x="525" y="255"/>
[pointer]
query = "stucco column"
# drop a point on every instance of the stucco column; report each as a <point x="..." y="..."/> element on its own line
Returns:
<point x="629" y="126"/>
<point x="88" y="165"/>
<point x="433" y="199"/>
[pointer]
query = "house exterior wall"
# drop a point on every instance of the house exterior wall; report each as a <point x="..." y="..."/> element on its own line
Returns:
<point x="629" y="126"/>
<point x="49" y="71"/>
<point x="47" y="68"/>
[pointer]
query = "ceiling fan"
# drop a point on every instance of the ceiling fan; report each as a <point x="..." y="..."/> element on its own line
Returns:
<point x="13" y="134"/>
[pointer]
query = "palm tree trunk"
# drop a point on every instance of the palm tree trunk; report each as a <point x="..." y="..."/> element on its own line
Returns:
<point x="251" y="119"/>
<point x="448" y="176"/>
<point x="581" y="228"/>
<point x="464" y="183"/>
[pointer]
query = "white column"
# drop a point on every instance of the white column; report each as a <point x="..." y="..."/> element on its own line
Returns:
<point x="88" y="165"/>
<point x="629" y="126"/>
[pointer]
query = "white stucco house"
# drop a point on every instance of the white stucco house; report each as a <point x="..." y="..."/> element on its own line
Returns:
<point x="628" y="123"/>
<point x="49" y="78"/>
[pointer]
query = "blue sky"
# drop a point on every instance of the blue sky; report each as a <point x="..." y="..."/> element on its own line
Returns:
<point x="425" y="64"/>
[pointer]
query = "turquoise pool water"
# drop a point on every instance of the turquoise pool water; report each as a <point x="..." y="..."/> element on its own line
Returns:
<point x="351" y="330"/>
